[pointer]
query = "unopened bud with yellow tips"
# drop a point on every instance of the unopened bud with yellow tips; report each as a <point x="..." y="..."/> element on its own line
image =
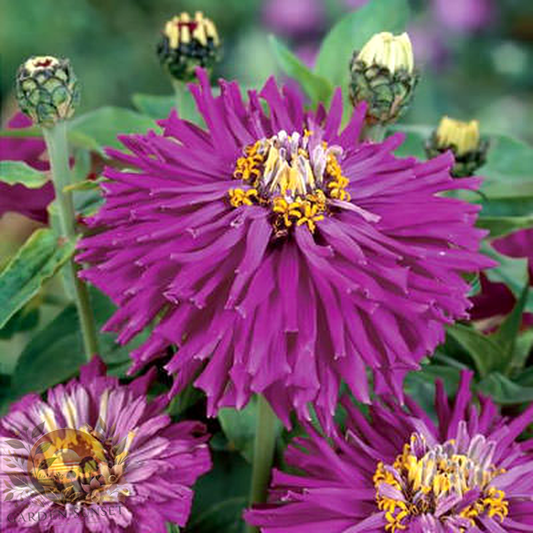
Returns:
<point x="464" y="140"/>
<point x="47" y="89"/>
<point x="186" y="43"/>
<point x="384" y="76"/>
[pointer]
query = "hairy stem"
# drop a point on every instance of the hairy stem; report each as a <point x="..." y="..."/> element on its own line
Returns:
<point x="56" y="143"/>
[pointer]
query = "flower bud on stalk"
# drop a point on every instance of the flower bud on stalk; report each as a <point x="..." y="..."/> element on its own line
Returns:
<point x="188" y="43"/>
<point x="463" y="139"/>
<point x="48" y="92"/>
<point x="47" y="89"/>
<point x="383" y="75"/>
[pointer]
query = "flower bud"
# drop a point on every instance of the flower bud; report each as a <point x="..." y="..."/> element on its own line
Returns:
<point x="383" y="75"/>
<point x="188" y="43"/>
<point x="463" y="139"/>
<point x="47" y="89"/>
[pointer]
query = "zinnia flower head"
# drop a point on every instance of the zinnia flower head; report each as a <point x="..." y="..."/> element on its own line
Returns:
<point x="97" y="456"/>
<point x="399" y="471"/>
<point x="279" y="253"/>
<point x="17" y="198"/>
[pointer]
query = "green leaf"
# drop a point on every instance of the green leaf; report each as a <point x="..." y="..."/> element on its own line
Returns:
<point x="100" y="128"/>
<point x="506" y="336"/>
<point x="24" y="319"/>
<point x="222" y="495"/>
<point x="500" y="226"/>
<point x="509" y="168"/>
<point x="56" y="352"/>
<point x="420" y="384"/>
<point x="12" y="172"/>
<point x="523" y="347"/>
<point x="153" y="105"/>
<point x="353" y="31"/>
<point x="317" y="88"/>
<point x="504" y="391"/>
<point x="52" y="356"/>
<point x="508" y="207"/>
<point x="483" y="351"/>
<point x="41" y="256"/>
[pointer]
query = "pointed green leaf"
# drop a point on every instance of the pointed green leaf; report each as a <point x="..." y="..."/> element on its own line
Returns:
<point x="317" y="88"/>
<point x="507" y="334"/>
<point x="13" y="172"/>
<point x="353" y="31"/>
<point x="483" y="351"/>
<point x="41" y="256"/>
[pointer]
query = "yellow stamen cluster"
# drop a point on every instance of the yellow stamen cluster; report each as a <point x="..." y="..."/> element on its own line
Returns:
<point x="302" y="211"/>
<point x="432" y="477"/>
<point x="339" y="182"/>
<point x="248" y="167"/>
<point x="464" y="136"/>
<point x="238" y="197"/>
<point x="183" y="28"/>
<point x="283" y="177"/>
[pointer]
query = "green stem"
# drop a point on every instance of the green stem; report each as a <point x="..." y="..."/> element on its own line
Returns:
<point x="375" y="133"/>
<point x="56" y="143"/>
<point x="264" y="447"/>
<point x="179" y="89"/>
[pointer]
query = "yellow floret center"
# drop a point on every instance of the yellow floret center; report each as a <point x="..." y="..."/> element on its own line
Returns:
<point x="421" y="482"/>
<point x="297" y="186"/>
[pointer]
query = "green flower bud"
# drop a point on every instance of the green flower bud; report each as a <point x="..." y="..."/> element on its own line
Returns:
<point x="188" y="43"/>
<point x="47" y="89"/>
<point x="383" y="75"/>
<point x="463" y="139"/>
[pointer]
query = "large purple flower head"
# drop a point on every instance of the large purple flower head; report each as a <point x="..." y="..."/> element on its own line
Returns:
<point x="399" y="471"/>
<point x="97" y="456"/>
<point x="28" y="202"/>
<point x="279" y="254"/>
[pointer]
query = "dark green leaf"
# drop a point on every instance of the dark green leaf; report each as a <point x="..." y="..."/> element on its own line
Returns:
<point x="12" y="172"/>
<point x="353" y="31"/>
<point x="317" y="88"/>
<point x="24" y="319"/>
<point x="222" y="495"/>
<point x="484" y="351"/>
<point x="38" y="260"/>
<point x="158" y="107"/>
<point x="500" y="226"/>
<point x="507" y="334"/>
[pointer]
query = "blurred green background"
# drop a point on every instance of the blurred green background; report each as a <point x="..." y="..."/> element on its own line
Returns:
<point x="476" y="56"/>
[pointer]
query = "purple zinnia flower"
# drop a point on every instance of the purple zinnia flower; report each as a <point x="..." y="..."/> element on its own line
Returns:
<point x="28" y="202"/>
<point x="280" y="255"/>
<point x="399" y="471"/>
<point x="131" y="468"/>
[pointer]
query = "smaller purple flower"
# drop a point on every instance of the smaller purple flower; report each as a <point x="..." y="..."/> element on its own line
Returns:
<point x="31" y="203"/>
<point x="296" y="18"/>
<point x="400" y="471"/>
<point x="97" y="456"/>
